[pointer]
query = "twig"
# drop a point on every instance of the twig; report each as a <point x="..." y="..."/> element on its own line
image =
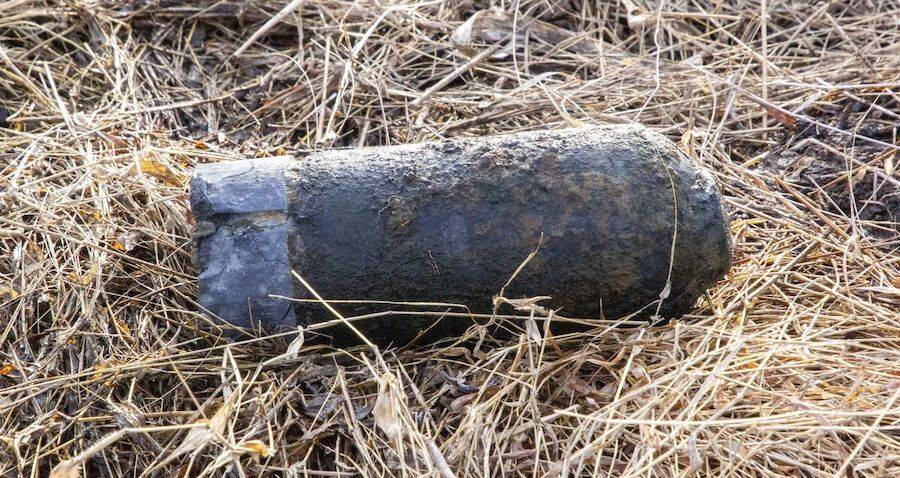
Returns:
<point x="287" y="10"/>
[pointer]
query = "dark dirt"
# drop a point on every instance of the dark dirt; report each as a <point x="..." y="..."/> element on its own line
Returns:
<point x="846" y="175"/>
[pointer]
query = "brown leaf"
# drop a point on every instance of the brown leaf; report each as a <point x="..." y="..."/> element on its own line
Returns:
<point x="66" y="469"/>
<point x="87" y="277"/>
<point x="162" y="172"/>
<point x="786" y="119"/>
<point x="687" y="144"/>
<point x="253" y="447"/>
<point x="461" y="403"/>
<point x="635" y="16"/>
<point x="581" y="387"/>
<point x="189" y="216"/>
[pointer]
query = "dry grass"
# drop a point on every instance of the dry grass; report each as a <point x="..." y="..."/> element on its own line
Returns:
<point x="790" y="367"/>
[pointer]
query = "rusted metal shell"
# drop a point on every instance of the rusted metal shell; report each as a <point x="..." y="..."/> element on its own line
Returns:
<point x="451" y="221"/>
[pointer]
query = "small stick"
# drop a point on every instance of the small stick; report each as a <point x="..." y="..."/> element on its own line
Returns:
<point x="295" y="4"/>
<point x="455" y="73"/>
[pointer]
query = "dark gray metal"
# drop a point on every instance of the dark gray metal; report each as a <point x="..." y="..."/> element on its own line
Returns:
<point x="241" y="237"/>
<point x="450" y="221"/>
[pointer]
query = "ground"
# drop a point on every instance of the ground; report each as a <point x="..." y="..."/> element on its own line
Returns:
<point x="788" y="367"/>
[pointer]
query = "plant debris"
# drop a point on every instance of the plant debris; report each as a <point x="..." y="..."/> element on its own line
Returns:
<point x="787" y="368"/>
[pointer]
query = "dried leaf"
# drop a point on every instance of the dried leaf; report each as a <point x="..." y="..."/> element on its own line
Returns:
<point x="253" y="447"/>
<point x="88" y="276"/>
<point x="635" y="16"/>
<point x="454" y="352"/>
<point x="200" y="436"/>
<point x="832" y="96"/>
<point x="122" y="327"/>
<point x="581" y="387"/>
<point x="527" y="304"/>
<point x="496" y="25"/>
<point x="162" y="172"/>
<point x="788" y="120"/>
<point x="195" y="441"/>
<point x="127" y="241"/>
<point x="118" y="144"/>
<point x="220" y="418"/>
<point x="189" y="216"/>
<point x="98" y="371"/>
<point x="66" y="469"/>
<point x="664" y="294"/>
<point x="6" y="369"/>
<point x="71" y="468"/>
<point x="687" y="144"/>
<point x="694" y="454"/>
<point x="461" y="403"/>
<point x="293" y="350"/>
<point x="534" y="332"/>
<point x="609" y="389"/>
<point x="9" y="293"/>
<point x="386" y="413"/>
<point x="860" y="173"/>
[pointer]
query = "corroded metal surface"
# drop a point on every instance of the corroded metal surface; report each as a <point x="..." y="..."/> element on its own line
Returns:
<point x="450" y="221"/>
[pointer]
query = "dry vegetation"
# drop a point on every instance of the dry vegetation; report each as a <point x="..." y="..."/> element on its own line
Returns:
<point x="790" y="366"/>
